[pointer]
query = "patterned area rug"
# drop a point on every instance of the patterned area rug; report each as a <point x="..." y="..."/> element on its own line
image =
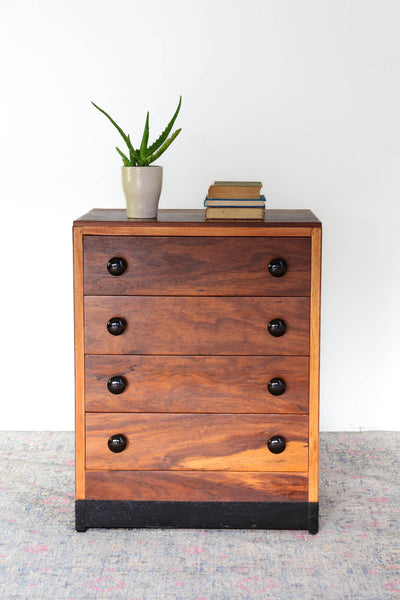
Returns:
<point x="356" y="554"/>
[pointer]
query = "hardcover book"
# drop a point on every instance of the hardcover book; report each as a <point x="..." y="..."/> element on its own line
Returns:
<point x="235" y="189"/>
<point x="232" y="202"/>
<point x="234" y="213"/>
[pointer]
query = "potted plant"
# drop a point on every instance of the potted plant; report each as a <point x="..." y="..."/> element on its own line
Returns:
<point x="141" y="182"/>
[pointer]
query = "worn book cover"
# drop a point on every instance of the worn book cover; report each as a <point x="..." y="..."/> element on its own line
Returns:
<point x="234" y="213"/>
<point x="231" y="202"/>
<point x="235" y="189"/>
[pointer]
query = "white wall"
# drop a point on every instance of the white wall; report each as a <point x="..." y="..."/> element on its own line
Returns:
<point x="302" y="94"/>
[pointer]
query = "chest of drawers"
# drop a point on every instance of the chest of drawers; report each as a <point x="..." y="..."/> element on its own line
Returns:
<point x="197" y="370"/>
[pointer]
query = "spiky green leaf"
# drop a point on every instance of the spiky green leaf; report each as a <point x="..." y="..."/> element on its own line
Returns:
<point x="164" y="147"/>
<point x="125" y="159"/>
<point x="122" y="133"/>
<point x="159" y="141"/>
<point x="145" y="139"/>
<point x="134" y="154"/>
<point x="143" y="161"/>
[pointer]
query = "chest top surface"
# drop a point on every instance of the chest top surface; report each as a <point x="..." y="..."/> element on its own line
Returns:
<point x="115" y="217"/>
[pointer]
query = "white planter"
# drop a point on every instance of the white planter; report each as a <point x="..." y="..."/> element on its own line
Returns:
<point x="142" y="189"/>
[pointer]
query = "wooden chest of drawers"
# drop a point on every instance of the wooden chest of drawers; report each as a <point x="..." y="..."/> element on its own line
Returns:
<point x="197" y="370"/>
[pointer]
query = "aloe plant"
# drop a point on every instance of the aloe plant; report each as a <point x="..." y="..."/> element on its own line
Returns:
<point x="143" y="156"/>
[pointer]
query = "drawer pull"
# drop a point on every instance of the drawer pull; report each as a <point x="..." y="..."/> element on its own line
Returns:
<point x="116" y="325"/>
<point x="277" y="327"/>
<point x="117" y="384"/>
<point x="116" y="265"/>
<point x="276" y="444"/>
<point x="277" y="267"/>
<point x="117" y="442"/>
<point x="276" y="386"/>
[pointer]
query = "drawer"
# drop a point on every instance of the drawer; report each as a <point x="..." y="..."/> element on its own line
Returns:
<point x="196" y="442"/>
<point x="197" y="486"/>
<point x="193" y="325"/>
<point x="222" y="266"/>
<point x="196" y="384"/>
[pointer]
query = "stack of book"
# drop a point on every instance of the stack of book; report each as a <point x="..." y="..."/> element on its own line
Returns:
<point x="235" y="200"/>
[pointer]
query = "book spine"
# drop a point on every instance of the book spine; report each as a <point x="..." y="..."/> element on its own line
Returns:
<point x="235" y="203"/>
<point x="234" y="213"/>
<point x="234" y="193"/>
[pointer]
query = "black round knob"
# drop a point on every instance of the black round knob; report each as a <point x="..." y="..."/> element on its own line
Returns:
<point x="116" y="325"/>
<point x="276" y="386"/>
<point x="276" y="444"/>
<point x="277" y="327"/>
<point x="117" y="384"/>
<point x="277" y="267"/>
<point x="116" y="265"/>
<point x="117" y="442"/>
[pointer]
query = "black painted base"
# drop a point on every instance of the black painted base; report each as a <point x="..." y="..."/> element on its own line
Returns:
<point x="198" y="515"/>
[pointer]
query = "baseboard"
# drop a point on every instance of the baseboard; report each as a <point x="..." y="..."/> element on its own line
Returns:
<point x="198" y="515"/>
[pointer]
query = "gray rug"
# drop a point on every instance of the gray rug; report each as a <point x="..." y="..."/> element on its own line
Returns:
<point x="356" y="554"/>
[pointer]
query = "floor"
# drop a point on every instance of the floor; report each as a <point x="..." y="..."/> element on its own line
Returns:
<point x="355" y="555"/>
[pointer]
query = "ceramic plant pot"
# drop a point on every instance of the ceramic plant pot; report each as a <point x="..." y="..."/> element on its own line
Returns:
<point x="142" y="189"/>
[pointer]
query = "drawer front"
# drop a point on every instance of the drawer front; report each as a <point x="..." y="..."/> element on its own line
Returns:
<point x="196" y="384"/>
<point x="197" y="486"/>
<point x="193" y="266"/>
<point x="196" y="442"/>
<point x="190" y="326"/>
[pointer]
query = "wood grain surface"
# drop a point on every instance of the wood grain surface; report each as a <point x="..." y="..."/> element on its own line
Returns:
<point x="217" y="266"/>
<point x="315" y="315"/>
<point x="79" y="365"/>
<point x="197" y="297"/>
<point x="197" y="384"/>
<point x="196" y="442"/>
<point x="196" y="486"/>
<point x="196" y="325"/>
<point x="110" y="217"/>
